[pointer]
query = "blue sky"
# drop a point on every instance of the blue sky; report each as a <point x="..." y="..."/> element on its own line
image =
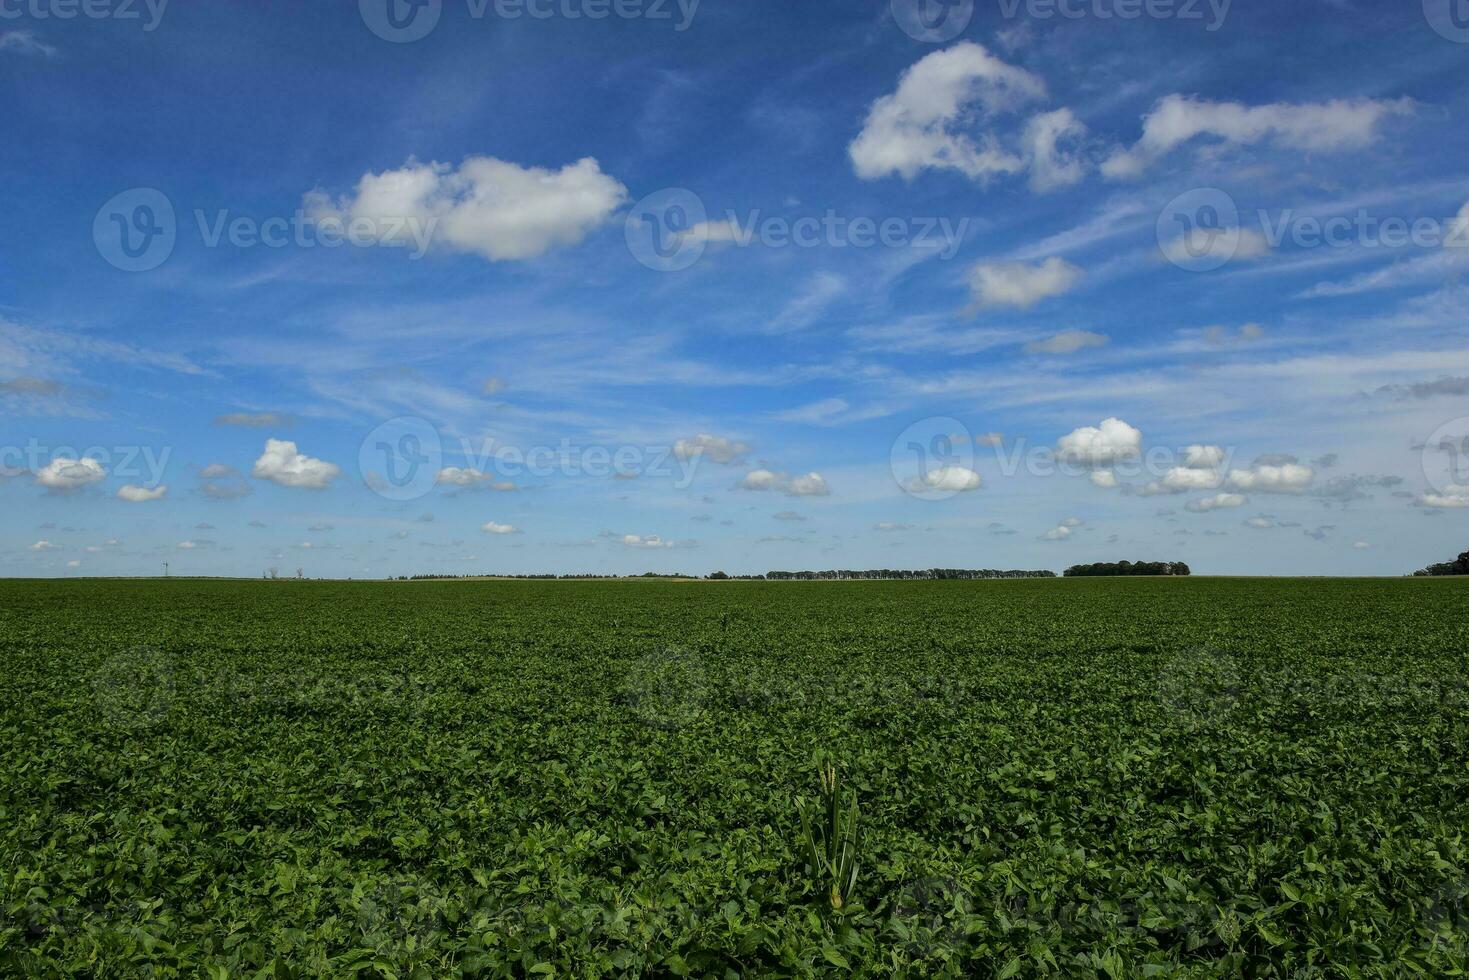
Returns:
<point x="751" y="286"/>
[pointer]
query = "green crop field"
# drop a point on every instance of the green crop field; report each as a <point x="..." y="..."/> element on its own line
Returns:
<point x="1111" y="778"/>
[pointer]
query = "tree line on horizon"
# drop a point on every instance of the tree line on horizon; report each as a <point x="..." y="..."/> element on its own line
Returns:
<point x="1129" y="568"/>
<point x="1459" y="566"/>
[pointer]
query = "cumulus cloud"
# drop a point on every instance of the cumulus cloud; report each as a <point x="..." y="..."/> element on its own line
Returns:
<point x="1203" y="457"/>
<point x="44" y="545"/>
<point x="1325" y="126"/>
<point x="1051" y="142"/>
<point x="1021" y="286"/>
<point x="950" y="479"/>
<point x="493" y="208"/>
<point x="1100" y="446"/>
<point x="1286" y="478"/>
<point x="716" y="448"/>
<point x="1452" y="498"/>
<point x="920" y="126"/>
<point x="1220" y="501"/>
<point x="137" y="495"/>
<point x="1105" y="479"/>
<point x="1058" y="533"/>
<point x="1067" y="342"/>
<point x="809" y="485"/>
<point x="69" y="475"/>
<point x="494" y="528"/>
<point x="639" y="541"/>
<point x="284" y="465"/>
<point x="1261" y="523"/>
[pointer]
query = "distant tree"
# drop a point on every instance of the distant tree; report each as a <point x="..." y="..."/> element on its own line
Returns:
<point x="1459" y="566"/>
<point x="719" y="576"/>
<point x="1129" y="568"/>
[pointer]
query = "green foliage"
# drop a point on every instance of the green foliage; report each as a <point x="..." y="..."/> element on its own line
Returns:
<point x="1459" y="566"/>
<point x="833" y="836"/>
<point x="1128" y="568"/>
<point x="1179" y="778"/>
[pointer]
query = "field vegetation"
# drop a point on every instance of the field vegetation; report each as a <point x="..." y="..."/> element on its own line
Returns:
<point x="1091" y="778"/>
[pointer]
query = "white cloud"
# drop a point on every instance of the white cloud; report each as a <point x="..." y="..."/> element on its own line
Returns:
<point x="1067" y="342"/>
<point x="1105" y="479"/>
<point x="716" y="448"/>
<point x="284" y="465"/>
<point x="45" y="546"/>
<point x="809" y="485"/>
<point x="494" y="528"/>
<point x="1111" y="441"/>
<point x="1324" y="126"/>
<point x="1050" y="141"/>
<point x="888" y="526"/>
<point x="1361" y="545"/>
<point x="24" y="42"/>
<point x="67" y="475"/>
<point x="493" y="208"/>
<point x="187" y="545"/>
<point x="1286" y="478"/>
<point x="715" y="233"/>
<point x="1184" y="479"/>
<point x="651" y="541"/>
<point x="951" y="479"/>
<point x="761" y="480"/>
<point x="1219" y="501"/>
<point x="1453" y="498"/>
<point x="454" y="476"/>
<point x="1203" y="457"/>
<point x="1019" y="285"/>
<point x="137" y="495"/>
<point x="1227" y="244"/>
<point x="1059" y="533"/>
<point x="1073" y="522"/>
<point x="1259" y="523"/>
<point x="217" y="471"/>
<point x="918" y="127"/>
